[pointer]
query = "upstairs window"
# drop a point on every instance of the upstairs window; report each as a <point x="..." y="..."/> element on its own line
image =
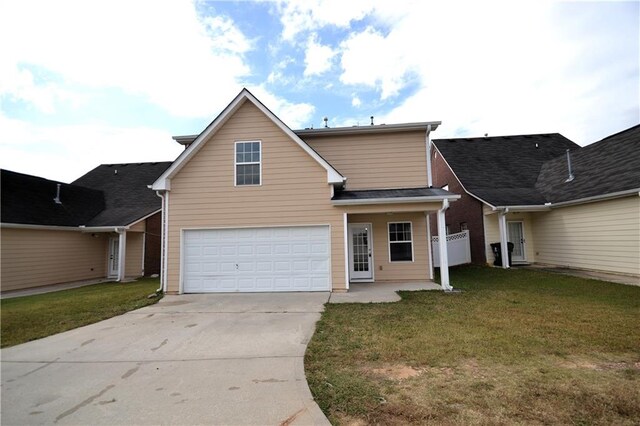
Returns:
<point x="400" y="242"/>
<point x="248" y="163"/>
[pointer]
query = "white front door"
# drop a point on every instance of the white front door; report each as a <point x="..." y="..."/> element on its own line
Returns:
<point x="112" y="267"/>
<point x="360" y="256"/>
<point x="516" y="236"/>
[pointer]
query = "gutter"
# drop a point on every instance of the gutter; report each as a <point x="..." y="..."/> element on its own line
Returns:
<point x="430" y="198"/>
<point x="595" y="198"/>
<point x="549" y="206"/>
<point x="81" y="228"/>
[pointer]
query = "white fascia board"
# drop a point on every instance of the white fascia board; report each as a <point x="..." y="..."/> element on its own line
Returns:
<point x="525" y="208"/>
<point x="595" y="198"/>
<point x="63" y="228"/>
<point x="365" y="129"/>
<point x="459" y="181"/>
<point x="426" y="199"/>
<point x="163" y="182"/>
<point x="144" y="217"/>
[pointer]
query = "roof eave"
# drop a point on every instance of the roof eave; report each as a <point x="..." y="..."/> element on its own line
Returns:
<point x="379" y="128"/>
<point x="396" y="200"/>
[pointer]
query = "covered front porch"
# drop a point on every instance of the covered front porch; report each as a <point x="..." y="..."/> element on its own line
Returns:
<point x="386" y="236"/>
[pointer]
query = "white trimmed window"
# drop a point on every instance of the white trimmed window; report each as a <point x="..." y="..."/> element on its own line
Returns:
<point x="400" y="242"/>
<point x="248" y="163"/>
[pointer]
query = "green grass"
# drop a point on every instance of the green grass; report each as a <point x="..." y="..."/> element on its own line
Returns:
<point x="33" y="317"/>
<point x="516" y="346"/>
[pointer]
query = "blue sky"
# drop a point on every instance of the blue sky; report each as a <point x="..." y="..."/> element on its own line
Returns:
<point x="88" y="82"/>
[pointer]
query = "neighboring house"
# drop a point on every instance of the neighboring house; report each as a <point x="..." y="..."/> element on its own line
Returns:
<point x="251" y="205"/>
<point x="518" y="189"/>
<point x="106" y="224"/>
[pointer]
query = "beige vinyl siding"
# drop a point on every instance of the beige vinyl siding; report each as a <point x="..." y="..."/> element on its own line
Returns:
<point x="294" y="190"/>
<point x="133" y="255"/>
<point x="601" y="236"/>
<point x="418" y="270"/>
<point x="138" y="227"/>
<point x="32" y="258"/>
<point x="387" y="160"/>
<point x="492" y="233"/>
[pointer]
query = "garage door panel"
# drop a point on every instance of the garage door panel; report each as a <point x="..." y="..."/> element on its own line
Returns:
<point x="257" y="259"/>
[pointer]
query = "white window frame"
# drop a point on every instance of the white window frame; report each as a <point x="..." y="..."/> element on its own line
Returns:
<point x="389" y="242"/>
<point x="236" y="164"/>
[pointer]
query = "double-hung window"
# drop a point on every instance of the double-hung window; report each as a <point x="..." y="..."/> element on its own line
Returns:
<point x="248" y="163"/>
<point x="400" y="242"/>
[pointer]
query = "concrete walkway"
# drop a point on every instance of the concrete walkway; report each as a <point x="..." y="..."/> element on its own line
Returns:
<point x="379" y="292"/>
<point x="234" y="359"/>
<point x="593" y="275"/>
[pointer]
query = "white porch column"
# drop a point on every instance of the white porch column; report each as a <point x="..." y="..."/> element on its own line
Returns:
<point x="442" y="247"/>
<point x="429" y="251"/>
<point x="345" y="226"/>
<point x="502" y="224"/>
<point x="122" y="249"/>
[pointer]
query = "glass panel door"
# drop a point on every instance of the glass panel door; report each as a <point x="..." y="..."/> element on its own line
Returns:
<point x="113" y="257"/>
<point x="360" y="259"/>
<point x="516" y="236"/>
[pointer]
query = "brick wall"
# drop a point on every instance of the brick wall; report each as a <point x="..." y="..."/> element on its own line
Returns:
<point x="466" y="210"/>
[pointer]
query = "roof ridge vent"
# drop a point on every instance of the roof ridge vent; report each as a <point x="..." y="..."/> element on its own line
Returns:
<point x="571" y="176"/>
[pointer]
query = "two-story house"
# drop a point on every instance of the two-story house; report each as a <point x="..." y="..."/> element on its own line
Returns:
<point x="251" y="205"/>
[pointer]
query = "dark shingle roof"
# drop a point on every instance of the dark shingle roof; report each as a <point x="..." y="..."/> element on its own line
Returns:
<point x="126" y="194"/>
<point x="29" y="200"/>
<point x="367" y="194"/>
<point x="503" y="170"/>
<point x="604" y="167"/>
<point x="101" y="197"/>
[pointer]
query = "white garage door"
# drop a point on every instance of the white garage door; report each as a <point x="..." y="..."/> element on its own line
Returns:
<point x="257" y="259"/>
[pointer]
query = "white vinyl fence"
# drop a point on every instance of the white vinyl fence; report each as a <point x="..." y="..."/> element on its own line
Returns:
<point x="458" y="249"/>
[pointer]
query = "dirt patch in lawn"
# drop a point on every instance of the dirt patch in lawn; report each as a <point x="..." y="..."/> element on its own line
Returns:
<point x="599" y="366"/>
<point x="397" y="372"/>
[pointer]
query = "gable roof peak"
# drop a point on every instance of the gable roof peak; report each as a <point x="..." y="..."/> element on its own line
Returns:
<point x="163" y="183"/>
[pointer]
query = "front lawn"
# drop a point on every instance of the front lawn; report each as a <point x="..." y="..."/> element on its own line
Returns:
<point x="33" y="317"/>
<point x="516" y="346"/>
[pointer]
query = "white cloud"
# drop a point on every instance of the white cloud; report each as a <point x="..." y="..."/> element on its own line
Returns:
<point x="355" y="101"/>
<point x="501" y="68"/>
<point x="62" y="152"/>
<point x="318" y="58"/>
<point x="165" y="54"/>
<point x="277" y="75"/>
<point x="371" y="59"/>
<point x="298" y="16"/>
<point x="294" y="115"/>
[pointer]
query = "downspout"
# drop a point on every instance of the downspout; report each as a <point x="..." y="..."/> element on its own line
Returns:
<point x="162" y="245"/>
<point x="428" y="142"/>
<point x="429" y="184"/>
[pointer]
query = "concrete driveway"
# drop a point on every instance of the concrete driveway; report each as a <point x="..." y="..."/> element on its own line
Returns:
<point x="191" y="359"/>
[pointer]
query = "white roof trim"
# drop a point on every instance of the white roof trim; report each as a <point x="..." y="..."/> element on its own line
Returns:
<point x="63" y="228"/>
<point x="144" y="217"/>
<point x="396" y="200"/>
<point x="595" y="198"/>
<point x="164" y="181"/>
